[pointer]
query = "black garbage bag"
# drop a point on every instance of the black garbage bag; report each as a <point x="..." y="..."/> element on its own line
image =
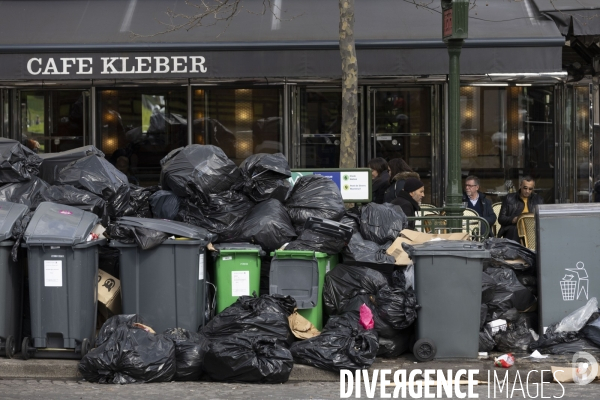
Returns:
<point x="399" y="278"/>
<point x="265" y="317"/>
<point x="52" y="163"/>
<point x="483" y="315"/>
<point x="343" y="344"/>
<point x="509" y="291"/>
<point x="317" y="241"/>
<point x="382" y="223"/>
<point x="352" y="218"/>
<point x="268" y="225"/>
<point x="517" y="336"/>
<point x="97" y="175"/>
<point x="347" y="281"/>
<point x="527" y="279"/>
<point x="486" y="341"/>
<point x="110" y="326"/>
<point x="130" y="355"/>
<point x="28" y="193"/>
<point x="108" y="260"/>
<point x="315" y="196"/>
<point x="488" y="288"/>
<point x="139" y="201"/>
<point x="198" y="168"/>
<point x="591" y="331"/>
<point x="504" y="250"/>
<point x="190" y="349"/>
<point x="396" y="346"/>
<point x="396" y="306"/>
<point x="18" y="163"/>
<point x="222" y="214"/>
<point x="382" y="327"/>
<point x="164" y="204"/>
<point x="266" y="177"/>
<point x="71" y="196"/>
<point x="364" y="252"/>
<point x="551" y="338"/>
<point x="18" y="232"/>
<point x="144" y="237"/>
<point x="248" y="358"/>
<point x="576" y="346"/>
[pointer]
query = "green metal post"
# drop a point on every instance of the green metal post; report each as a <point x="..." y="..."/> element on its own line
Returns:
<point x="453" y="190"/>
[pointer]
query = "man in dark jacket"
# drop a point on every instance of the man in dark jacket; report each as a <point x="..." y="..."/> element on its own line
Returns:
<point x="477" y="201"/>
<point x="515" y="204"/>
<point x="410" y="198"/>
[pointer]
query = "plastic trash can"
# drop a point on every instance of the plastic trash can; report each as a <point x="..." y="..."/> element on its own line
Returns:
<point x="301" y="274"/>
<point x="567" y="259"/>
<point x="63" y="282"/>
<point x="448" y="289"/>
<point x="166" y="285"/>
<point x="11" y="281"/>
<point x="237" y="272"/>
<point x="53" y="162"/>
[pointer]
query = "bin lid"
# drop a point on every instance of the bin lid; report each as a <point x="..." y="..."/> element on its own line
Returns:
<point x="568" y="209"/>
<point x="167" y="226"/>
<point x="239" y="246"/>
<point x="10" y="213"/>
<point x="54" y="223"/>
<point x="455" y="248"/>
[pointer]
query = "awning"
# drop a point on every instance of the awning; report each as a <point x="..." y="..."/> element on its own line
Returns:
<point x="64" y="39"/>
<point x="578" y="18"/>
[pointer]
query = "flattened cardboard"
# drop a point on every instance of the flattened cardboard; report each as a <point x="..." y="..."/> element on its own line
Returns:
<point x="109" y="294"/>
<point x="414" y="237"/>
<point x="566" y="374"/>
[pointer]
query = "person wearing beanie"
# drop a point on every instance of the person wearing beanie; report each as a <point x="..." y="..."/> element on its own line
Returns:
<point x="410" y="197"/>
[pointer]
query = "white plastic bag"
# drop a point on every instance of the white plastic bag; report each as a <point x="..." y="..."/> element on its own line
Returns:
<point x="577" y="319"/>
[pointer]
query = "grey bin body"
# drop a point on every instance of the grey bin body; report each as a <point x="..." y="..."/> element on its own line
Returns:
<point x="296" y="278"/>
<point x="166" y="285"/>
<point x="53" y="162"/>
<point x="448" y="289"/>
<point x="11" y="279"/>
<point x="567" y="259"/>
<point x="63" y="280"/>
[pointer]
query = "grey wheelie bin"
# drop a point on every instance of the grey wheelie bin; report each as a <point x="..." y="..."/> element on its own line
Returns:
<point x="166" y="284"/>
<point x="11" y="281"/>
<point x="567" y="259"/>
<point x="63" y="281"/>
<point x="448" y="289"/>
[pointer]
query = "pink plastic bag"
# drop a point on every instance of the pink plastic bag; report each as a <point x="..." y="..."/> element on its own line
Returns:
<point x="366" y="317"/>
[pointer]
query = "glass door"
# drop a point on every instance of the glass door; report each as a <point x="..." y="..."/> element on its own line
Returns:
<point x="401" y="127"/>
<point x="54" y="120"/>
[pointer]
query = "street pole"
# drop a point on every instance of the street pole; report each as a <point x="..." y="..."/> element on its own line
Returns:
<point x="455" y="14"/>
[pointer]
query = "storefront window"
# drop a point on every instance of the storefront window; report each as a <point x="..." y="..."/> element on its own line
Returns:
<point x="508" y="133"/>
<point x="402" y="123"/>
<point x="242" y="121"/>
<point x="54" y="120"/>
<point x="582" y="143"/>
<point x="138" y="127"/>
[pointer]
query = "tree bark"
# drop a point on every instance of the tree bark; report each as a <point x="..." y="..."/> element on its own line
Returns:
<point x="349" y="134"/>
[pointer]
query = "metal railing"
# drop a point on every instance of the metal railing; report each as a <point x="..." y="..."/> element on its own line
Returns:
<point x="476" y="226"/>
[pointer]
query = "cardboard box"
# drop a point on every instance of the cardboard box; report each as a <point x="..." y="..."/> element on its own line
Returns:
<point x="414" y="237"/>
<point x="566" y="374"/>
<point x="109" y="294"/>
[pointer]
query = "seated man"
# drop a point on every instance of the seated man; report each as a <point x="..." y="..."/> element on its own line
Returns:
<point x="515" y="204"/>
<point x="477" y="201"/>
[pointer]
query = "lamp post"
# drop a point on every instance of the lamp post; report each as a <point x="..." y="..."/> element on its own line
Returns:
<point x="455" y="15"/>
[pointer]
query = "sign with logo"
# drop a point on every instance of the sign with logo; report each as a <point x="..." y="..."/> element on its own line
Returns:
<point x="354" y="183"/>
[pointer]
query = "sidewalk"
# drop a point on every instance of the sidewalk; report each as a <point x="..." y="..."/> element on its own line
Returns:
<point x="46" y="369"/>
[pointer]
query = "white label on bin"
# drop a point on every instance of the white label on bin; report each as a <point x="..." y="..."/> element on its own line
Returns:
<point x="240" y="283"/>
<point x="201" y="267"/>
<point x="227" y="258"/>
<point x="53" y="273"/>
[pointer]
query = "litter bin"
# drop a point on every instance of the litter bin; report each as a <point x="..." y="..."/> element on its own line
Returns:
<point x="448" y="289"/>
<point x="567" y="259"/>
<point x="166" y="285"/>
<point x="53" y="162"/>
<point x="237" y="272"/>
<point x="11" y="281"/>
<point x="63" y="281"/>
<point x="301" y="274"/>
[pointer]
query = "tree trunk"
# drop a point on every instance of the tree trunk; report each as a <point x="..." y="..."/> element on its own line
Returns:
<point x="349" y="135"/>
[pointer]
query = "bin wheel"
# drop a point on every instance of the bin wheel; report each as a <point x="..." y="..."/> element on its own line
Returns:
<point x="424" y="350"/>
<point x="85" y="347"/>
<point x="9" y="347"/>
<point x="25" y="349"/>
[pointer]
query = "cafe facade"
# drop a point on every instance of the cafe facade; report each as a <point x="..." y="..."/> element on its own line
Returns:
<point x="106" y="74"/>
